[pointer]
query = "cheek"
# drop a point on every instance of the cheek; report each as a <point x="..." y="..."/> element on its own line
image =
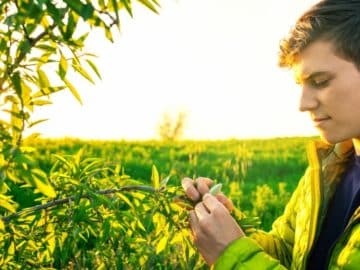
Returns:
<point x="342" y="100"/>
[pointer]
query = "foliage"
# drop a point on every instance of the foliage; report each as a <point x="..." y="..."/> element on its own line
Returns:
<point x="267" y="204"/>
<point x="82" y="213"/>
<point x="103" y="220"/>
<point x="242" y="166"/>
<point x="41" y="42"/>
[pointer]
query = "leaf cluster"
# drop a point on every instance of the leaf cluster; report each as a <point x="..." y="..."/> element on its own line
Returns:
<point x="42" y="47"/>
<point x="83" y="213"/>
<point x="100" y="218"/>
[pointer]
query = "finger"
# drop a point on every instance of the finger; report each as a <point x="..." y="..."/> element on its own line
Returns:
<point x="225" y="201"/>
<point x="194" y="224"/>
<point x="201" y="211"/>
<point x="212" y="203"/>
<point x="203" y="184"/>
<point x="190" y="190"/>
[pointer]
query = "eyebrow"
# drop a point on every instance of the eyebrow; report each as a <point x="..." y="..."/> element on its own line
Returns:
<point x="311" y="76"/>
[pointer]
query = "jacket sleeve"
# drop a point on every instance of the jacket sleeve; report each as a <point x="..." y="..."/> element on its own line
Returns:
<point x="246" y="254"/>
<point x="265" y="250"/>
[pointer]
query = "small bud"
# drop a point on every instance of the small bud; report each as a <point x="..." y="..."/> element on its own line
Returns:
<point x="215" y="189"/>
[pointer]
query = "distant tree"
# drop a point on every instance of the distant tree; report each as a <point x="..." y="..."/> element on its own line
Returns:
<point x="172" y="129"/>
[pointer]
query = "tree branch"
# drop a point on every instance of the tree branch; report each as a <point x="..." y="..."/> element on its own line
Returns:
<point x="54" y="203"/>
<point x="33" y="42"/>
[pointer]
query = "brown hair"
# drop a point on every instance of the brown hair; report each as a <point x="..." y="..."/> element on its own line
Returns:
<point x="337" y="21"/>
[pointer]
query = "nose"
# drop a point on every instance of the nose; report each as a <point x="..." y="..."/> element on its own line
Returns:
<point x="308" y="99"/>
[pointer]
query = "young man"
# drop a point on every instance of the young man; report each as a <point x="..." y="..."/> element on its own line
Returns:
<point x="320" y="227"/>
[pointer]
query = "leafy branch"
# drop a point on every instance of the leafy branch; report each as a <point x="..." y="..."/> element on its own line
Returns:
<point x="67" y="200"/>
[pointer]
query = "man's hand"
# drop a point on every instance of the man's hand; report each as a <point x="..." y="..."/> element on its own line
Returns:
<point x="197" y="188"/>
<point x="213" y="228"/>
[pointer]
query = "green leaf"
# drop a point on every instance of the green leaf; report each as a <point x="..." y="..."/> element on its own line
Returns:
<point x="43" y="79"/>
<point x="24" y="47"/>
<point x="16" y="121"/>
<point x="63" y="161"/>
<point x="87" y="11"/>
<point x="71" y="25"/>
<point x="37" y="122"/>
<point x="164" y="182"/>
<point x="2" y="226"/>
<point x="47" y="91"/>
<point x="94" y="68"/>
<point x="73" y="90"/>
<point x="40" y="102"/>
<point x="3" y="45"/>
<point x="125" y="199"/>
<point x="5" y="203"/>
<point x="45" y="189"/>
<point x="11" y="249"/>
<point x="116" y="11"/>
<point x="75" y="5"/>
<point x="63" y="66"/>
<point x="54" y="12"/>
<point x="27" y="149"/>
<point x="214" y="190"/>
<point x="140" y="225"/>
<point x="46" y="47"/>
<point x="12" y="99"/>
<point x="25" y="159"/>
<point x="108" y="34"/>
<point x="78" y="68"/>
<point x="16" y="81"/>
<point x="127" y="5"/>
<point x="102" y="4"/>
<point x="42" y="184"/>
<point x="149" y="5"/>
<point x="155" y="177"/>
<point x="25" y="95"/>
<point x="162" y="244"/>
<point x="42" y="60"/>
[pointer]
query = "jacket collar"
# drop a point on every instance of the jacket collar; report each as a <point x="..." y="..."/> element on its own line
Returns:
<point x="334" y="153"/>
<point x="330" y="159"/>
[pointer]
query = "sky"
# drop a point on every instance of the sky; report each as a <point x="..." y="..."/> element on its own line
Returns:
<point x="215" y="60"/>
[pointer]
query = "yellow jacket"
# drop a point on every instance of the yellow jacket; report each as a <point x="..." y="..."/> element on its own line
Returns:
<point x="288" y="244"/>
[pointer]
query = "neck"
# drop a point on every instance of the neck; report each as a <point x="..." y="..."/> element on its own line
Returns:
<point x="356" y="142"/>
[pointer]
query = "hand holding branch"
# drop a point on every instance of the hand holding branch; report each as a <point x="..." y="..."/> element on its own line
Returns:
<point x="212" y="225"/>
<point x="213" y="228"/>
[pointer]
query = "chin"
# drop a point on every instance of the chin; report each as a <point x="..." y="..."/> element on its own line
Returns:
<point x="333" y="138"/>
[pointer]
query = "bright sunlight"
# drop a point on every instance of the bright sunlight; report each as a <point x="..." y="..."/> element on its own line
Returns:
<point x="214" y="60"/>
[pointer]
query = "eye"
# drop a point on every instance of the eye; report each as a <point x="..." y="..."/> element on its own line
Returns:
<point x="317" y="83"/>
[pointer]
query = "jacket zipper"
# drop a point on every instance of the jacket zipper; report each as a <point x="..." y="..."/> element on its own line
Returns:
<point x="318" y="220"/>
<point x="317" y="185"/>
<point x="316" y="227"/>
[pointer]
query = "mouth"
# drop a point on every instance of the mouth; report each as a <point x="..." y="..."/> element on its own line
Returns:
<point x="320" y="120"/>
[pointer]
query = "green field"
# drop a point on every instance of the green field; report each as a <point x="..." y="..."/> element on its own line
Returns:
<point x="258" y="174"/>
<point x="58" y="213"/>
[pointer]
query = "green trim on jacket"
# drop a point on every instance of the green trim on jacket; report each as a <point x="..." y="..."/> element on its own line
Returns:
<point x="249" y="256"/>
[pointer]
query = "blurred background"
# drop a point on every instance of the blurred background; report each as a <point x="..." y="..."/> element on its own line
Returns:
<point x="208" y="65"/>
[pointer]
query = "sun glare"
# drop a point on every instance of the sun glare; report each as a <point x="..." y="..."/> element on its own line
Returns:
<point x="216" y="62"/>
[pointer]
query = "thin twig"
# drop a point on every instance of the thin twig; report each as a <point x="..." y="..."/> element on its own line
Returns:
<point x="54" y="203"/>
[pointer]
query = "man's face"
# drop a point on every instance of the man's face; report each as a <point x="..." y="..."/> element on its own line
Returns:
<point x="330" y="92"/>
